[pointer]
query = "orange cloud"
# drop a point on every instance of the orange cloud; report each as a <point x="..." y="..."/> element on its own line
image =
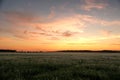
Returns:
<point x="68" y="34"/>
<point x="83" y="44"/>
<point x="93" y="4"/>
<point x="106" y="32"/>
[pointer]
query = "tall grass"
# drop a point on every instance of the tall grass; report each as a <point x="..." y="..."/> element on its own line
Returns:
<point x="60" y="66"/>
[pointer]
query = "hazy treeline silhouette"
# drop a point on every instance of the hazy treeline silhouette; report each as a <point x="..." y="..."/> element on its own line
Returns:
<point x="29" y="51"/>
<point x="7" y="50"/>
<point x="89" y="51"/>
<point x="103" y="51"/>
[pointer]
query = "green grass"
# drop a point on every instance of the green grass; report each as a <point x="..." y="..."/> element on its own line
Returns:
<point x="60" y="66"/>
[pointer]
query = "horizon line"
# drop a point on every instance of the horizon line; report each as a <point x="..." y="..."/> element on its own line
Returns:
<point x="37" y="51"/>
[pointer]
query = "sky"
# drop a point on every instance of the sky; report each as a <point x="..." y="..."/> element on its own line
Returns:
<point x="50" y="25"/>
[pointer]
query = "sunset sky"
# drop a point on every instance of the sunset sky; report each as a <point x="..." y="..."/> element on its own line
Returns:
<point x="50" y="25"/>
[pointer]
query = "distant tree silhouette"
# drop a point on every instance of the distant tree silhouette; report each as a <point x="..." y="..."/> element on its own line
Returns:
<point x="101" y="51"/>
<point x="6" y="50"/>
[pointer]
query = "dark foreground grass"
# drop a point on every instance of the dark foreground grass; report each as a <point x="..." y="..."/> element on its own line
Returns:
<point x="60" y="66"/>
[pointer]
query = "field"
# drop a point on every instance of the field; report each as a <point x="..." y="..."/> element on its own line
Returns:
<point x="60" y="66"/>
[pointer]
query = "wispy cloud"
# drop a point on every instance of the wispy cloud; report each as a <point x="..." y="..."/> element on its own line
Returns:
<point x="27" y="35"/>
<point x="106" y="32"/>
<point x="85" y="19"/>
<point x="94" y="4"/>
<point x="40" y="28"/>
<point x="110" y="23"/>
<point x="82" y="44"/>
<point x="19" y="17"/>
<point x="40" y="33"/>
<point x="68" y="34"/>
<point x="52" y="12"/>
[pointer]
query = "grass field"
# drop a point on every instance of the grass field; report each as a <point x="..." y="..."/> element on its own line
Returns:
<point x="60" y="66"/>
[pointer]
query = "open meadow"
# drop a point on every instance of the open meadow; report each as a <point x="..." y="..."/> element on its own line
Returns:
<point x="60" y="66"/>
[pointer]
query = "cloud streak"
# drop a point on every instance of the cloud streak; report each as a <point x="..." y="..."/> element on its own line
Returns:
<point x="106" y="32"/>
<point x="93" y="4"/>
<point x="82" y="44"/>
<point x="19" y="17"/>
